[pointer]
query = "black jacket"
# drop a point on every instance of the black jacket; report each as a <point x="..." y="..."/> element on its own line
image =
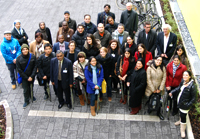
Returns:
<point x="105" y="39"/>
<point x="20" y="37"/>
<point x="138" y="80"/>
<point x="79" y="39"/>
<point x="21" y="63"/>
<point x="133" y="48"/>
<point x="150" y="42"/>
<point x="111" y="28"/>
<point x="130" y="67"/>
<point x="171" y="45"/>
<point x="130" y="21"/>
<point x="101" y="17"/>
<point x="48" y="32"/>
<point x="106" y="63"/>
<point x="115" y="55"/>
<point x="66" y="54"/>
<point x="44" y="65"/>
<point x="188" y="97"/>
<point x="71" y="24"/>
<point x="90" y="28"/>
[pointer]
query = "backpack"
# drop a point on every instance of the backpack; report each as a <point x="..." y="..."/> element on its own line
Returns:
<point x="153" y="102"/>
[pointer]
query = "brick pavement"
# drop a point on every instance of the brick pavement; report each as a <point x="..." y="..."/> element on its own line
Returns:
<point x="35" y="127"/>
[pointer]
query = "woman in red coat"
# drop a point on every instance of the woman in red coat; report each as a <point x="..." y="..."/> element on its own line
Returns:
<point x="144" y="54"/>
<point x="175" y="71"/>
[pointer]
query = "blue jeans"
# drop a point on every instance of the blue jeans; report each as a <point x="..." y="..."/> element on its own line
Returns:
<point x="12" y="69"/>
<point x="93" y="97"/>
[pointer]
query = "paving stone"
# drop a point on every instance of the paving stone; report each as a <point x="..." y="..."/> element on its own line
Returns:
<point x="41" y="134"/>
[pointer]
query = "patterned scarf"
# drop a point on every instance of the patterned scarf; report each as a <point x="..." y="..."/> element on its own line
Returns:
<point x="175" y="68"/>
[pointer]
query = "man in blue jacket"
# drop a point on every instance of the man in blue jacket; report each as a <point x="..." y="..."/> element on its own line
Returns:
<point x="10" y="49"/>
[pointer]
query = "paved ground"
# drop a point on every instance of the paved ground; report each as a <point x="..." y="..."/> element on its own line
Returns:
<point x="30" y="126"/>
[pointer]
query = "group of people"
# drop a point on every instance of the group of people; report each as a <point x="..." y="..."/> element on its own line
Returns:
<point x="86" y="54"/>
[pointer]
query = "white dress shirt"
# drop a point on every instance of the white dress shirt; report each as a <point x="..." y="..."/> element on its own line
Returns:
<point x="166" y="39"/>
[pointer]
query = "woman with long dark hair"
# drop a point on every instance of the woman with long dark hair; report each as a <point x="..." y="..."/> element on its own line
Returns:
<point x="144" y="54"/>
<point x="115" y="51"/>
<point x="94" y="77"/>
<point x="91" y="46"/>
<point x="137" y="82"/>
<point x="180" y="51"/>
<point x="187" y="95"/>
<point x="105" y="59"/>
<point x="175" y="71"/>
<point x="156" y="77"/>
<point x="124" y="68"/>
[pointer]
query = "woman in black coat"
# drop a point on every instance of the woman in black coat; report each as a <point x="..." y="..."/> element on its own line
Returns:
<point x="137" y="82"/>
<point x="105" y="59"/>
<point x="131" y="44"/>
<point x="187" y="95"/>
<point x="115" y="51"/>
<point x="45" y="32"/>
<point x="124" y="68"/>
<point x="91" y="46"/>
<point x="71" y="53"/>
<point x="19" y="33"/>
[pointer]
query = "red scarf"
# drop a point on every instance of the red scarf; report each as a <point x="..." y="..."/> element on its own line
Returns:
<point x="125" y="66"/>
<point x="101" y="34"/>
<point x="130" y="45"/>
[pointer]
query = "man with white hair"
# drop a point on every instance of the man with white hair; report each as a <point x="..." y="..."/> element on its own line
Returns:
<point x="166" y="43"/>
<point x="130" y="19"/>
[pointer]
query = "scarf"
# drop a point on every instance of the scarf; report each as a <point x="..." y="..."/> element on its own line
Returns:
<point x="94" y="74"/>
<point x="39" y="49"/>
<point x="175" y="68"/>
<point x="125" y="66"/>
<point x="20" y="31"/>
<point x="101" y="34"/>
<point x="129" y="45"/>
<point x="44" y="34"/>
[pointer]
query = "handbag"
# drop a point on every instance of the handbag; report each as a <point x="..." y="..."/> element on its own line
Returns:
<point x="19" y="78"/>
<point x="103" y="86"/>
<point x="40" y="80"/>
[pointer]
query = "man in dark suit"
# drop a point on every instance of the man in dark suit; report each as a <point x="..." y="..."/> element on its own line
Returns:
<point x="166" y="43"/>
<point x="61" y="74"/>
<point x="102" y="17"/>
<point x="130" y="19"/>
<point x="61" y="45"/>
<point x="148" y="38"/>
<point x="120" y="35"/>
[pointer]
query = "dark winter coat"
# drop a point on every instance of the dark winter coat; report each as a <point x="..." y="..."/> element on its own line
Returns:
<point x="133" y="48"/>
<point x="66" y="54"/>
<point x="150" y="42"/>
<point x="106" y="63"/>
<point x="188" y="96"/>
<point x="90" y="28"/>
<point x="79" y="39"/>
<point x="20" y="37"/>
<point x="44" y="65"/>
<point x="105" y="39"/>
<point x="111" y="28"/>
<point x="21" y="63"/>
<point x="71" y="24"/>
<point x="138" y="80"/>
<point x="91" y="52"/>
<point x="130" y="21"/>
<point x="48" y="32"/>
<point x="101" y="17"/>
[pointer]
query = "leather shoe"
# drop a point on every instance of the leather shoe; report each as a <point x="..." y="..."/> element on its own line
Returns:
<point x="69" y="106"/>
<point x="161" y="117"/>
<point x="60" y="106"/>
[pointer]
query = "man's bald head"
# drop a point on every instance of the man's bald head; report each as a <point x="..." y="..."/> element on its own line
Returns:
<point x="100" y="27"/>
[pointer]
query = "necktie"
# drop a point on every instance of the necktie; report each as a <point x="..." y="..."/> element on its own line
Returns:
<point x="59" y="70"/>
